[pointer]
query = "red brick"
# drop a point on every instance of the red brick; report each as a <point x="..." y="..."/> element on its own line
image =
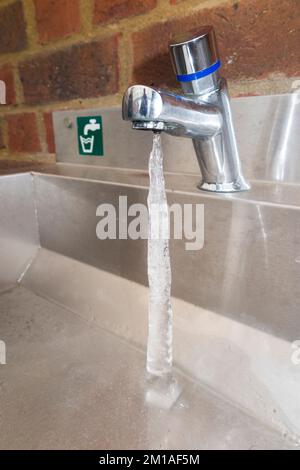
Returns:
<point x="56" y="18"/>
<point x="23" y="133"/>
<point x="107" y="11"/>
<point x="255" y="38"/>
<point x="6" y="74"/>
<point x="81" y="71"/>
<point x="12" y="28"/>
<point x="48" y="123"/>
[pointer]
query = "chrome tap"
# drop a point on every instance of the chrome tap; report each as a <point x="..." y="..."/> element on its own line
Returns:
<point x="202" y="114"/>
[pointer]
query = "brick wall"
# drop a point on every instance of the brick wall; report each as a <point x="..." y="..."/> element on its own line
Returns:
<point x="64" y="54"/>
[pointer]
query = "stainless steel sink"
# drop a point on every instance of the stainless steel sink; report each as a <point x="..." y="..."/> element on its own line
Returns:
<point x="73" y="315"/>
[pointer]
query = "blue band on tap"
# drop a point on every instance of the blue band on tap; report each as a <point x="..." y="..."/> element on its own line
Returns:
<point x="202" y="73"/>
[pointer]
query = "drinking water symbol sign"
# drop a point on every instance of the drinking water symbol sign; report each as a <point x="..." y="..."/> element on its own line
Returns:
<point x="90" y="136"/>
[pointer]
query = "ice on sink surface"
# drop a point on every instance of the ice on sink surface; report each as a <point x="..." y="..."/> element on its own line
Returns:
<point x="70" y="384"/>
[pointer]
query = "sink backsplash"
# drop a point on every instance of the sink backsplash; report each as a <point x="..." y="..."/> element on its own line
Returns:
<point x="266" y="130"/>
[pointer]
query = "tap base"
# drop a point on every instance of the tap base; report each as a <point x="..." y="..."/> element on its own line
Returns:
<point x="235" y="186"/>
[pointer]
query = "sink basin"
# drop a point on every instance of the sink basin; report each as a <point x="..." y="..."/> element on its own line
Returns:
<point x="73" y="315"/>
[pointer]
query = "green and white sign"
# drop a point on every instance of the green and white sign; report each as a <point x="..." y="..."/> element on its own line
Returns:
<point x="90" y="136"/>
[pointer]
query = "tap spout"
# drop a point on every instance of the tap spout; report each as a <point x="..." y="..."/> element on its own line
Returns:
<point x="153" y="109"/>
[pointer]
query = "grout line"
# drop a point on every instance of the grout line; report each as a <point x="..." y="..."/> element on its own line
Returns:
<point x="125" y="61"/>
<point x="86" y="16"/>
<point x="31" y="29"/>
<point x="41" y="131"/>
<point x="18" y="85"/>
